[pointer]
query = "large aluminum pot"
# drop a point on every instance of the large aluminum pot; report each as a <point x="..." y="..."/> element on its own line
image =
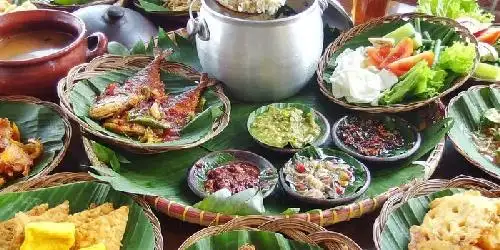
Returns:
<point x="259" y="60"/>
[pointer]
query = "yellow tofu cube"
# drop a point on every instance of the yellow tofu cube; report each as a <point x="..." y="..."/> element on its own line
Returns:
<point x="49" y="236"/>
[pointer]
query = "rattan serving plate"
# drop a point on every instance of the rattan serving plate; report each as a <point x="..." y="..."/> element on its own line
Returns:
<point x="59" y="180"/>
<point x="486" y="188"/>
<point x="343" y="40"/>
<point x="321" y="217"/>
<point x="294" y="229"/>
<point x="35" y="118"/>
<point x="70" y="8"/>
<point x="110" y="63"/>
<point x="466" y="109"/>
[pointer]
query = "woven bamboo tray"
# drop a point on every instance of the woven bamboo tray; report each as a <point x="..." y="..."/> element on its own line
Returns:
<point x="345" y="37"/>
<point x="487" y="188"/>
<point x="67" y="127"/>
<point x="110" y="62"/>
<point x="320" y="217"/>
<point x="455" y="145"/>
<point x="70" y="8"/>
<point x="66" y="178"/>
<point x="294" y="229"/>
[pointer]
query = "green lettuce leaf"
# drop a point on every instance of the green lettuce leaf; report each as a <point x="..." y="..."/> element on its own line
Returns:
<point x="415" y="79"/>
<point x="458" y="58"/>
<point x="454" y="9"/>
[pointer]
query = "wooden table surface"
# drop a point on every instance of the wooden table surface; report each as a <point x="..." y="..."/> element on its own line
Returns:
<point x="360" y="230"/>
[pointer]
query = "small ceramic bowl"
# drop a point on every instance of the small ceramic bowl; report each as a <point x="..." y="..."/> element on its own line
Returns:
<point x="409" y="133"/>
<point x="319" y="118"/>
<point x="361" y="173"/>
<point x="198" y="173"/>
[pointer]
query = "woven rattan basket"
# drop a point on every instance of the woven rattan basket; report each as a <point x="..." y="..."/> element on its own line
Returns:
<point x="339" y="43"/>
<point x="70" y="8"/>
<point x="67" y="129"/>
<point x="321" y="217"/>
<point x="455" y="145"/>
<point x="109" y="63"/>
<point x="294" y="229"/>
<point x="66" y="178"/>
<point x="487" y="188"/>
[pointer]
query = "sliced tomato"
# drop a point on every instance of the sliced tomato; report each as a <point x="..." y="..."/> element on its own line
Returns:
<point x="377" y="55"/>
<point x="490" y="36"/>
<point x="403" y="49"/>
<point x="401" y="66"/>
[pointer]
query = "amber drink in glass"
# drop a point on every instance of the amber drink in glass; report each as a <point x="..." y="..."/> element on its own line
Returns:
<point x="364" y="10"/>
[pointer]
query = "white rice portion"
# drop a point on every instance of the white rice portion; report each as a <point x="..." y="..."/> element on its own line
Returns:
<point x="254" y="6"/>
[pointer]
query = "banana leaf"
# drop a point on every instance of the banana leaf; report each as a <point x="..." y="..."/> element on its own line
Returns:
<point x="36" y="121"/>
<point x="139" y="232"/>
<point x="260" y="239"/>
<point x="165" y="174"/>
<point x="436" y="31"/>
<point x="396" y="233"/>
<point x="82" y="96"/>
<point x="467" y="111"/>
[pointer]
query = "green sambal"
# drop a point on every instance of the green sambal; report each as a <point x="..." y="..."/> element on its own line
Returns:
<point x="279" y="127"/>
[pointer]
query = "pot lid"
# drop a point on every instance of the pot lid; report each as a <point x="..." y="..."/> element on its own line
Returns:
<point x="119" y="24"/>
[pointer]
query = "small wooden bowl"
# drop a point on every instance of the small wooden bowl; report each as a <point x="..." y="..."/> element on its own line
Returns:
<point x="215" y="159"/>
<point x="320" y="119"/>
<point x="330" y="202"/>
<point x="402" y="124"/>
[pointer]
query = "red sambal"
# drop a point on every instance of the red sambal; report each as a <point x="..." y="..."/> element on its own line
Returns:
<point x="235" y="176"/>
<point x="369" y="137"/>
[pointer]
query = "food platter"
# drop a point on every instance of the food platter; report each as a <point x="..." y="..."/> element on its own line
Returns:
<point x="70" y="7"/>
<point x="74" y="93"/>
<point x="176" y="200"/>
<point x="224" y="125"/>
<point x="358" y="36"/>
<point x="467" y="109"/>
<point x="288" y="227"/>
<point x="406" y="209"/>
<point x="80" y="190"/>
<point x="38" y="120"/>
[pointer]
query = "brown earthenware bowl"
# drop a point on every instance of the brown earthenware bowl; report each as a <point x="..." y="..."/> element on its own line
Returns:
<point x="39" y="76"/>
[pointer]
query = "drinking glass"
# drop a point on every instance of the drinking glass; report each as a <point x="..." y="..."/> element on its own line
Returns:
<point x="364" y="10"/>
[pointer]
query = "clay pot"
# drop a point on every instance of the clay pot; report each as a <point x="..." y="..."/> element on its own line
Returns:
<point x="39" y="76"/>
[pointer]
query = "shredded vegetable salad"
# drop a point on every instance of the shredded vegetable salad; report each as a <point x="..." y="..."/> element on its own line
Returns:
<point x="319" y="178"/>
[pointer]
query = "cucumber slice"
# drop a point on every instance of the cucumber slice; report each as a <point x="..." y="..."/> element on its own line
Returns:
<point x="490" y="118"/>
<point x="417" y="41"/>
<point x="487" y="71"/>
<point x="402" y="32"/>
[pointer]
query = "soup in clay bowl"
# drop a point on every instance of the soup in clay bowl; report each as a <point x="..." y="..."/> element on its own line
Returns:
<point x="39" y="47"/>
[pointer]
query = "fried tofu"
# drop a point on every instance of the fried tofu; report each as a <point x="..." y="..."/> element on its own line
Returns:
<point x="107" y="229"/>
<point x="10" y="228"/>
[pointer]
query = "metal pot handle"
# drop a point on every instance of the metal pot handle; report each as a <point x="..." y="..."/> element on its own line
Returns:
<point x="197" y="26"/>
<point x="323" y="4"/>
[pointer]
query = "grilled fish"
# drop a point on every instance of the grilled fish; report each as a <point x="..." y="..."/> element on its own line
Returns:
<point x="181" y="108"/>
<point x="141" y="86"/>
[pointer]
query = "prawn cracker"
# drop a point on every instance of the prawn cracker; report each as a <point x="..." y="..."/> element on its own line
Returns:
<point x="12" y="231"/>
<point x="107" y="229"/>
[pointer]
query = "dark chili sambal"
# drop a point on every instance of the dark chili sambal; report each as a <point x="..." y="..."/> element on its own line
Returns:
<point x="235" y="176"/>
<point x="369" y="137"/>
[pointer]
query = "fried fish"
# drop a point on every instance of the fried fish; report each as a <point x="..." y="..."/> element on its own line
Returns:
<point x="117" y="99"/>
